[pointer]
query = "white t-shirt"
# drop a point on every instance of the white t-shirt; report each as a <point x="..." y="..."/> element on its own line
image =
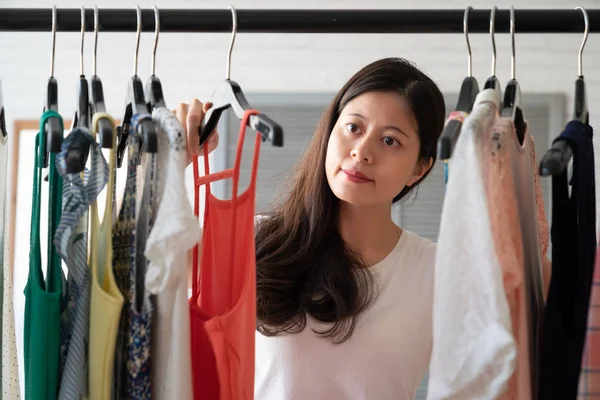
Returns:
<point x="388" y="353"/>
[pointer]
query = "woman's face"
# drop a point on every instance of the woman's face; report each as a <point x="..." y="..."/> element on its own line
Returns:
<point x="373" y="150"/>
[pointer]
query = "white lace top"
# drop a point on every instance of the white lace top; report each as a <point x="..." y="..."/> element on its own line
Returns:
<point x="473" y="346"/>
<point x="175" y="232"/>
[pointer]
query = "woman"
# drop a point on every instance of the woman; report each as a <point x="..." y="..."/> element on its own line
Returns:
<point x="344" y="295"/>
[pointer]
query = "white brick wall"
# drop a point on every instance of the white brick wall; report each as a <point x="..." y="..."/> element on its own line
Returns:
<point x="192" y="65"/>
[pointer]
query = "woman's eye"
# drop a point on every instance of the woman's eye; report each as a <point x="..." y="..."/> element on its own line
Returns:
<point x="352" y="128"/>
<point x="390" y="141"/>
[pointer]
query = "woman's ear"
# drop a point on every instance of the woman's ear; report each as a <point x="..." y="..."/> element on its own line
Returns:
<point x="420" y="169"/>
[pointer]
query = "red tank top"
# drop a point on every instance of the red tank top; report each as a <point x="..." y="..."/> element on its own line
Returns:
<point x="223" y="302"/>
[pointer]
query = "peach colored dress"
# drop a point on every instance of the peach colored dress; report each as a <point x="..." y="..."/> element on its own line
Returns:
<point x="506" y="231"/>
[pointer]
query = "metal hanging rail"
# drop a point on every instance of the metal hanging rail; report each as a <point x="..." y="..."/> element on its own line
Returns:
<point x="301" y="21"/>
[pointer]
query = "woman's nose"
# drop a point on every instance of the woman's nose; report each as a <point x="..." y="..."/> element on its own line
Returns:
<point x="362" y="151"/>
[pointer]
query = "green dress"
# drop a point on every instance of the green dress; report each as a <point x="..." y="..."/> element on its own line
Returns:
<point x="43" y="300"/>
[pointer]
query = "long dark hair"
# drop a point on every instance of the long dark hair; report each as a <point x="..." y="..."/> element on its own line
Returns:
<point x="302" y="264"/>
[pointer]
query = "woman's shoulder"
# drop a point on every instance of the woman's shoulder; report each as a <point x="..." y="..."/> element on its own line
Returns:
<point x="260" y="217"/>
<point x="420" y="249"/>
<point x="414" y="265"/>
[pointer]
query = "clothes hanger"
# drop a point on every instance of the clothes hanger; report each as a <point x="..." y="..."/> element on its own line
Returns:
<point x="53" y="131"/>
<point x="105" y="126"/>
<point x="581" y="112"/>
<point x="77" y="153"/>
<point x="556" y="160"/>
<point x="154" y="92"/>
<point x="466" y="98"/>
<point x="2" y="115"/>
<point x="82" y="114"/>
<point x="135" y="103"/>
<point x="511" y="106"/>
<point x="230" y="95"/>
<point x="492" y="82"/>
<point x="3" y="131"/>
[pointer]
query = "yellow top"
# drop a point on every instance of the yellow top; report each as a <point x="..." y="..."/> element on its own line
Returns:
<point x="106" y="298"/>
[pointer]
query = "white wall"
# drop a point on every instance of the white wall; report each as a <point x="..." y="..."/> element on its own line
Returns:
<point x="192" y="65"/>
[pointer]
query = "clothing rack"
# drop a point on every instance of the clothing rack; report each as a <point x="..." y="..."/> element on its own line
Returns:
<point x="300" y="21"/>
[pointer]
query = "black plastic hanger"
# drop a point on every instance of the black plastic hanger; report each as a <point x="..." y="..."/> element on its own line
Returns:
<point x="53" y="131"/>
<point x="492" y="82"/>
<point x="230" y="95"/>
<point x="580" y="109"/>
<point x="556" y="160"/>
<point x="511" y="106"/>
<point x="79" y="148"/>
<point x="154" y="92"/>
<point x="135" y="103"/>
<point x="82" y="116"/>
<point x="105" y="126"/>
<point x="82" y="109"/>
<point x="512" y="109"/>
<point x="2" y="115"/>
<point x="466" y="98"/>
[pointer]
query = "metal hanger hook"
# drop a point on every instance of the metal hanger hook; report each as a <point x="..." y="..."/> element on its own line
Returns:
<point x="585" y="36"/>
<point x="466" y="31"/>
<point x="54" y="18"/>
<point x="96" y="23"/>
<point x="233" y="33"/>
<point x="137" y="39"/>
<point x="513" y="63"/>
<point x="492" y="32"/>
<point x="156" y="33"/>
<point x="82" y="37"/>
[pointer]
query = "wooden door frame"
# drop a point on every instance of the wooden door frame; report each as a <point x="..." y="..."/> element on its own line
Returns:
<point x="19" y="126"/>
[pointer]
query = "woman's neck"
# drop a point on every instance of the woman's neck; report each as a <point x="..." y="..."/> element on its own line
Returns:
<point x="369" y="231"/>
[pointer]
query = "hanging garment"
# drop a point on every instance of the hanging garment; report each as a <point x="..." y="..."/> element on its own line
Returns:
<point x="9" y="388"/>
<point x="71" y="243"/>
<point x="506" y="233"/>
<point x="589" y="381"/>
<point x="123" y="254"/>
<point x="106" y="299"/>
<point x="503" y="206"/>
<point x="473" y="352"/>
<point x="43" y="300"/>
<point x="176" y="231"/>
<point x="573" y="246"/>
<point x="382" y="360"/>
<point x="223" y="308"/>
<point x="4" y="272"/>
<point x="140" y="327"/>
<point x="132" y="378"/>
<point x="525" y="176"/>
